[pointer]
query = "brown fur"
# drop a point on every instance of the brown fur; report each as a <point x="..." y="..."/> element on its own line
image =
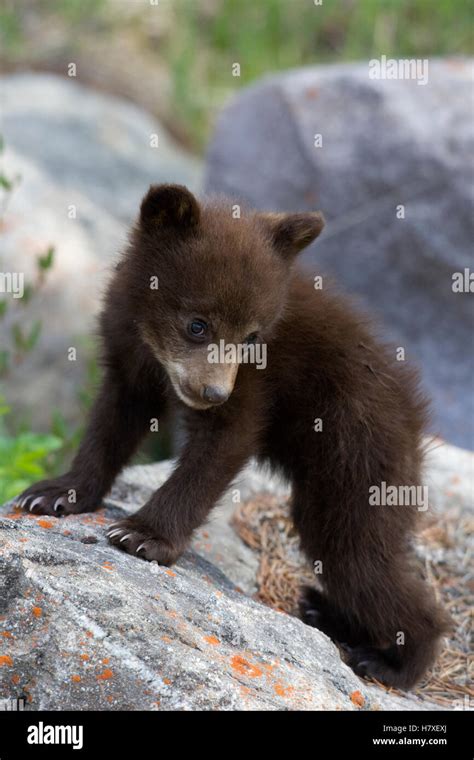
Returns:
<point x="323" y="362"/>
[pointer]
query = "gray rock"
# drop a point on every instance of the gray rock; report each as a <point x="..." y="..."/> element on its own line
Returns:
<point x="384" y="143"/>
<point x="72" y="146"/>
<point x="84" y="626"/>
<point x="449" y="477"/>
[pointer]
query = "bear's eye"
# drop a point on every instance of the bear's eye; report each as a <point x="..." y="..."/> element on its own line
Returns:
<point x="197" y="329"/>
<point x="252" y="338"/>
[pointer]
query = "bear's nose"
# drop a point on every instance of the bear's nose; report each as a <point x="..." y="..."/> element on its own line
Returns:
<point x="215" y="394"/>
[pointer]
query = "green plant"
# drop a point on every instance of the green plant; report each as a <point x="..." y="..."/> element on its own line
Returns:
<point x="10" y="28"/>
<point x="7" y="184"/>
<point x="22" y="339"/>
<point x="24" y="458"/>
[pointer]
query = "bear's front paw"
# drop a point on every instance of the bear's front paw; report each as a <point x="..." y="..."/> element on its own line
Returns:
<point x="138" y="537"/>
<point x="58" y="497"/>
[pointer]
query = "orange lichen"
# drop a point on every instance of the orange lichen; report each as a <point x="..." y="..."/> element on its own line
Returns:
<point x="45" y="523"/>
<point x="106" y="660"/>
<point x="105" y="675"/>
<point x="244" y="667"/>
<point x="15" y="678"/>
<point x="169" y="572"/>
<point x="283" y="691"/>
<point x="167" y="681"/>
<point x="212" y="640"/>
<point x="89" y="634"/>
<point x="5" y="659"/>
<point x="108" y="565"/>
<point x="357" y="698"/>
<point x="98" y="518"/>
<point x="75" y="678"/>
<point x="6" y="634"/>
<point x="37" y="612"/>
<point x="85" y="657"/>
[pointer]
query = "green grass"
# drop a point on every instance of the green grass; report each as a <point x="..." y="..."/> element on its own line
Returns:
<point x="202" y="38"/>
<point x="280" y="34"/>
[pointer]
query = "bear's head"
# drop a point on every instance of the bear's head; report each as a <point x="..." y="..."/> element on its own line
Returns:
<point x="204" y="278"/>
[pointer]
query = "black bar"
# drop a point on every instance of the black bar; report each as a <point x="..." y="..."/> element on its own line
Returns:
<point x="318" y="734"/>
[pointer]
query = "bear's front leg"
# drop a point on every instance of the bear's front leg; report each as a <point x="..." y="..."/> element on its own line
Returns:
<point x="162" y="528"/>
<point x="118" y="421"/>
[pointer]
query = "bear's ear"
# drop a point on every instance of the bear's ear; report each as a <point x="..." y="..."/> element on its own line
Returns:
<point x="169" y="206"/>
<point x="290" y="233"/>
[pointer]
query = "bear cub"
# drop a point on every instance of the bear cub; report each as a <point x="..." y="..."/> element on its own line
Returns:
<point x="192" y="277"/>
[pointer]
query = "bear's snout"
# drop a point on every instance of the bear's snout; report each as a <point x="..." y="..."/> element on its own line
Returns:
<point x="215" y="394"/>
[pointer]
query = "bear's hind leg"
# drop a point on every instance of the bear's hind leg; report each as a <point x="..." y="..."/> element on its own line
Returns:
<point x="374" y="601"/>
<point x="318" y="611"/>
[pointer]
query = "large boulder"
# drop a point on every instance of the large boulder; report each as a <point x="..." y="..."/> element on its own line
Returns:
<point x="72" y="147"/>
<point x="385" y="143"/>
<point x="85" y="626"/>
